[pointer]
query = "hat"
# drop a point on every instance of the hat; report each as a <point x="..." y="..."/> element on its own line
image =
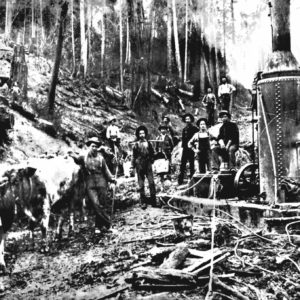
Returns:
<point x="188" y="115"/>
<point x="202" y="119"/>
<point x="166" y="117"/>
<point x="162" y="126"/>
<point x="137" y="131"/>
<point x="112" y="119"/>
<point x="93" y="140"/>
<point x="224" y="112"/>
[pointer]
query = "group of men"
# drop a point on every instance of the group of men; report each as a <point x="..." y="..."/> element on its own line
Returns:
<point x="211" y="102"/>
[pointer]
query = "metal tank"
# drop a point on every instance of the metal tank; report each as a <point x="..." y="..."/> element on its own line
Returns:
<point x="279" y="114"/>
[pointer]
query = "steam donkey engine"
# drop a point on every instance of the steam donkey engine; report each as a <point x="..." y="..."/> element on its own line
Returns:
<point x="276" y="178"/>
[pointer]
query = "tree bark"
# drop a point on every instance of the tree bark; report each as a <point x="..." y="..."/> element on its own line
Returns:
<point x="83" y="53"/>
<point x="73" y="38"/>
<point x="176" y="40"/>
<point x="232" y="20"/>
<point x="41" y="20"/>
<point x="60" y="38"/>
<point x="8" y="18"/>
<point x="102" y="44"/>
<point x="186" y="42"/>
<point x="19" y="70"/>
<point x="121" y="49"/>
<point x="32" y="21"/>
<point x="89" y="48"/>
<point x="169" y="39"/>
<point x="176" y="258"/>
<point x="128" y="58"/>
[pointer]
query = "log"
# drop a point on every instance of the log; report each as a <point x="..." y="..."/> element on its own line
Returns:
<point x="158" y="254"/>
<point x="218" y="283"/>
<point x="161" y="276"/>
<point x="186" y="93"/>
<point x="176" y="258"/>
<point x="164" y="287"/>
<point x="158" y="296"/>
<point x="47" y="127"/>
<point x="204" y="260"/>
<point x="114" y="92"/>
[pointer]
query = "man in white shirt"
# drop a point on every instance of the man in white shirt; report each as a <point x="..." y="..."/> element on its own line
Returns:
<point x="225" y="91"/>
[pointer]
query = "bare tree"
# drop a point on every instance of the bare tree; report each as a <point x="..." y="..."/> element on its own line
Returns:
<point x="176" y="40"/>
<point x="60" y="38"/>
<point x="169" y="38"/>
<point x="186" y="41"/>
<point x="8" y="18"/>
<point x="83" y="42"/>
<point x="121" y="48"/>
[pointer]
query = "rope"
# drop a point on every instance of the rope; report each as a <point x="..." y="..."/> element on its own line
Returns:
<point x="213" y="228"/>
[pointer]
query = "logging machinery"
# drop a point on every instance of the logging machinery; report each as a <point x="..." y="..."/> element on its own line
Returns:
<point x="274" y="182"/>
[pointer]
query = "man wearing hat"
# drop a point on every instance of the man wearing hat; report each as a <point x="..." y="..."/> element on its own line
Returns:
<point x="142" y="159"/>
<point x="224" y="93"/>
<point x="165" y="144"/>
<point x="97" y="176"/>
<point x="113" y="132"/>
<point x="228" y="140"/>
<point x="200" y="144"/>
<point x="187" y="153"/>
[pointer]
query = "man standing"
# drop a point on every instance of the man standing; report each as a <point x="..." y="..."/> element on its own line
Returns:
<point x="187" y="153"/>
<point x="210" y="102"/>
<point x="165" y="145"/>
<point x="228" y="142"/>
<point x="142" y="159"/>
<point x="97" y="176"/>
<point x="113" y="133"/>
<point x="200" y="144"/>
<point x="225" y="91"/>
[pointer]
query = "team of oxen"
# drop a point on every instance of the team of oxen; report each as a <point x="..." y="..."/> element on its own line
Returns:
<point x="35" y="189"/>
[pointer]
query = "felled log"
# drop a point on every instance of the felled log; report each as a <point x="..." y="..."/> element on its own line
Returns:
<point x="186" y="93"/>
<point x="47" y="127"/>
<point x="164" y="287"/>
<point x="162" y="96"/>
<point x="161" y="276"/>
<point x="203" y="261"/>
<point x="113" y="92"/>
<point x="218" y="283"/>
<point x="158" y="296"/>
<point x="25" y="113"/>
<point x="176" y="257"/>
<point x="158" y="254"/>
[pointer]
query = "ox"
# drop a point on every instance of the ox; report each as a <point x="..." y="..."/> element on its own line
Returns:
<point x="35" y="189"/>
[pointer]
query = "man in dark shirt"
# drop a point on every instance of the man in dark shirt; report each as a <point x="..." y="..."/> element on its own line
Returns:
<point x="142" y="159"/>
<point x="228" y="142"/>
<point x="187" y="153"/>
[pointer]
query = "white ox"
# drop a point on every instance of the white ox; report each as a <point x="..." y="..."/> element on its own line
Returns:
<point x="36" y="187"/>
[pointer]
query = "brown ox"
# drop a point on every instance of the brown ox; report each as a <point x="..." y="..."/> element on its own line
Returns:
<point x="41" y="185"/>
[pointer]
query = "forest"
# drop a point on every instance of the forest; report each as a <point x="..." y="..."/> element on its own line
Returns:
<point x="117" y="176"/>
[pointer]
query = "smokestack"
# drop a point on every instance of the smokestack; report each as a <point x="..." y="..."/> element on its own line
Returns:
<point x="281" y="59"/>
<point x="279" y="112"/>
<point x="281" y="25"/>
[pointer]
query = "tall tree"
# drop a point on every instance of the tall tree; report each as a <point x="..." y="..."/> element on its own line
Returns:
<point x="176" y="40"/>
<point x="121" y="46"/>
<point x="41" y="20"/>
<point x="59" y="46"/>
<point x="8" y="18"/>
<point x="186" y="42"/>
<point x="103" y="38"/>
<point x="83" y="41"/>
<point x="169" y="38"/>
<point x="33" y="27"/>
<point x="73" y="38"/>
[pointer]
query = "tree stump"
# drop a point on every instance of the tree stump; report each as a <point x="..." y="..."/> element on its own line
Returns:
<point x="19" y="70"/>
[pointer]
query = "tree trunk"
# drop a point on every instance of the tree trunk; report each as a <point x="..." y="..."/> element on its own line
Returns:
<point x="121" y="49"/>
<point x="186" y="42"/>
<point x="60" y="38"/>
<point x="73" y="38"/>
<point x="128" y="58"/>
<point x="232" y="21"/>
<point x="19" y="70"/>
<point x="89" y="48"/>
<point x="102" y="44"/>
<point x="224" y="35"/>
<point x="8" y="18"/>
<point x="24" y="29"/>
<point x="83" y="53"/>
<point x="176" y="40"/>
<point x="41" y="20"/>
<point x="138" y="65"/>
<point x="32" y="21"/>
<point x="169" y="39"/>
